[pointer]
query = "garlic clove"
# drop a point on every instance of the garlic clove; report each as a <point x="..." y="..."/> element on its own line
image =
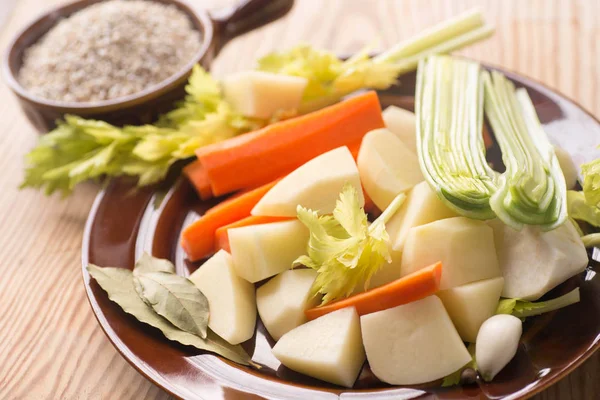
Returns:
<point x="497" y="343"/>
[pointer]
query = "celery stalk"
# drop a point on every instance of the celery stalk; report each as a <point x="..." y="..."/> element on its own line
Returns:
<point x="449" y="108"/>
<point x="591" y="240"/>
<point x="410" y="63"/>
<point x="434" y="36"/>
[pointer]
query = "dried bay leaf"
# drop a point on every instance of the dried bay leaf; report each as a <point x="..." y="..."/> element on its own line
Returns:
<point x="147" y="263"/>
<point x="177" y="299"/>
<point x="118" y="284"/>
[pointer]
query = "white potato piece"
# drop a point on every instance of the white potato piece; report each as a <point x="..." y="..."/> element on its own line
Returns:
<point x="259" y="94"/>
<point x="386" y="167"/>
<point x="420" y="207"/>
<point x="402" y="123"/>
<point x="413" y="343"/>
<point x="261" y="251"/>
<point x="328" y="348"/>
<point x="315" y="185"/>
<point x="567" y="166"/>
<point x="533" y="262"/>
<point x="464" y="246"/>
<point x="471" y="304"/>
<point x="497" y="344"/>
<point x="282" y="301"/>
<point x="231" y="299"/>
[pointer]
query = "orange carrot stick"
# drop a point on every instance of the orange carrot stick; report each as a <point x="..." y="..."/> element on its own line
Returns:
<point x="198" y="239"/>
<point x="222" y="238"/>
<point x="198" y="177"/>
<point x="415" y="286"/>
<point x="257" y="157"/>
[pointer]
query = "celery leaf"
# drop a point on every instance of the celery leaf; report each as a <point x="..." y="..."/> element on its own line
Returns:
<point x="343" y="248"/>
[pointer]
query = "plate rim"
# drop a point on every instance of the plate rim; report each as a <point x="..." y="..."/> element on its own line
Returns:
<point x="164" y="384"/>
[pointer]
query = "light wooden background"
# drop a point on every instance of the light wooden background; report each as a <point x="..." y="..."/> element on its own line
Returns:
<point x="51" y="346"/>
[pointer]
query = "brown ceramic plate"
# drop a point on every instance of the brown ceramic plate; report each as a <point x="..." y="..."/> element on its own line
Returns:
<point x="122" y="224"/>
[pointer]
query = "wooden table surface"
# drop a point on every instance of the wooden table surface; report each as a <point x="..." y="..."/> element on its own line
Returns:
<point x="51" y="346"/>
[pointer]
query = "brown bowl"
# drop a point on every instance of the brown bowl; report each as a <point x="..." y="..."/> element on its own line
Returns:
<point x="144" y="107"/>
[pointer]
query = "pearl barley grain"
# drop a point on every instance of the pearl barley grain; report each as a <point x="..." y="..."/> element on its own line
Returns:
<point x="109" y="50"/>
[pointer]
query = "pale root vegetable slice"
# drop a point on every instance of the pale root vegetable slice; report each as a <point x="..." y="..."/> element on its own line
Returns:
<point x="386" y="167"/>
<point x="533" y="262"/>
<point x="421" y="206"/>
<point x="471" y="304"/>
<point x="261" y="251"/>
<point x="413" y="343"/>
<point x="329" y="348"/>
<point x="464" y="246"/>
<point x="258" y="94"/>
<point x="231" y="299"/>
<point x="282" y="301"/>
<point x="402" y="123"/>
<point x="222" y="237"/>
<point x="415" y="286"/>
<point x="315" y="185"/>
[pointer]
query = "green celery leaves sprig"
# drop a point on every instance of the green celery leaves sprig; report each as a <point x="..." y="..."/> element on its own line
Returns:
<point x="80" y="149"/>
<point x="585" y="205"/>
<point x="343" y="248"/>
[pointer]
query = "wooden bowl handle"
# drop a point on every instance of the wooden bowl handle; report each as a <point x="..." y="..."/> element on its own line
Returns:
<point x="247" y="15"/>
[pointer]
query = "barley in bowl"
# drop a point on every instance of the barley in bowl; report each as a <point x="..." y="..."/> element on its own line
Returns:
<point x="109" y="50"/>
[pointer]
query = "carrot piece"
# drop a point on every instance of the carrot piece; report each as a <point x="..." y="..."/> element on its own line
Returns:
<point x="198" y="177"/>
<point x="198" y="239"/>
<point x="257" y="157"/>
<point x="222" y="238"/>
<point x="415" y="286"/>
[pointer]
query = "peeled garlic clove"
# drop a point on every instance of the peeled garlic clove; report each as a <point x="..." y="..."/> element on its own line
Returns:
<point x="567" y="166"/>
<point x="497" y="343"/>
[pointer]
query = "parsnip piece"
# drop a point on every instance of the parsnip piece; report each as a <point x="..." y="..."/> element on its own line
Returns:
<point x="315" y="185"/>
<point x="464" y="246"/>
<point x="328" y="348"/>
<point x="258" y="94"/>
<point x="387" y="167"/>
<point x="413" y="343"/>
<point x="261" y="251"/>
<point x="421" y="207"/>
<point x="282" y="301"/>
<point x="402" y="123"/>
<point x="231" y="299"/>
<point x="471" y="304"/>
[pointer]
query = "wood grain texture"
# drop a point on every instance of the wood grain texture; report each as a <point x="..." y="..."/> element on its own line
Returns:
<point x="51" y="346"/>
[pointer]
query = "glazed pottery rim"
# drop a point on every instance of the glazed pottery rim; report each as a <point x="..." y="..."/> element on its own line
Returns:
<point x="164" y="384"/>
<point x="199" y="18"/>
